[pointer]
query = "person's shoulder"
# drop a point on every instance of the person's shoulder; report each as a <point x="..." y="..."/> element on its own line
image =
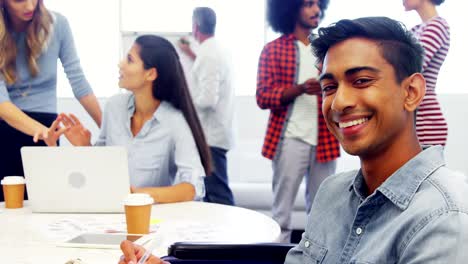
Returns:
<point x="118" y="100"/>
<point x="172" y="118"/>
<point x="438" y="24"/>
<point x="61" y="27"/>
<point x="213" y="51"/>
<point x="58" y="18"/>
<point x="170" y="113"/>
<point x="452" y="188"/>
<point x="280" y="41"/>
<point x="439" y="204"/>
<point x="339" y="182"/>
<point x="440" y="20"/>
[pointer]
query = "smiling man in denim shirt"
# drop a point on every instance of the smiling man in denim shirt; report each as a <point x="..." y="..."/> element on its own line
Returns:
<point x="403" y="205"/>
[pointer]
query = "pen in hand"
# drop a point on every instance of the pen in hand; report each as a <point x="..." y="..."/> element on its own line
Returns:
<point x="148" y="252"/>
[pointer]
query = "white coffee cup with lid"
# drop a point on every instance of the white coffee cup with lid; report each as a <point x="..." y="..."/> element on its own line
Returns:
<point x="138" y="212"/>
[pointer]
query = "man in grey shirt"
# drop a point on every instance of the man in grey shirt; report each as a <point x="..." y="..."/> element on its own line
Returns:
<point x="403" y="205"/>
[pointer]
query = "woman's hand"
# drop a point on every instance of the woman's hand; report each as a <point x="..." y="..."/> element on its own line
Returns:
<point x="50" y="135"/>
<point x="76" y="133"/>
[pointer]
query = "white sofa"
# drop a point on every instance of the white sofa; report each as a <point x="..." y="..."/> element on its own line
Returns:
<point x="250" y="173"/>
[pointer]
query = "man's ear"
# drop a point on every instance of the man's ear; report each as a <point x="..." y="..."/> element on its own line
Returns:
<point x="151" y="74"/>
<point x="415" y="89"/>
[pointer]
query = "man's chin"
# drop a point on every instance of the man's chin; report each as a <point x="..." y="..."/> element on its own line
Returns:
<point x="353" y="150"/>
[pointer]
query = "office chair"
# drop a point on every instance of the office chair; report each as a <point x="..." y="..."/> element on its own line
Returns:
<point x="197" y="253"/>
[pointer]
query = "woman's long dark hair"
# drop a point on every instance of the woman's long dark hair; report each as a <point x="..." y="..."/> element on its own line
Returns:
<point x="171" y="86"/>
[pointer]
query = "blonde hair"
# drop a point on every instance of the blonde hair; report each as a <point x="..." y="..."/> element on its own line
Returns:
<point x="37" y="36"/>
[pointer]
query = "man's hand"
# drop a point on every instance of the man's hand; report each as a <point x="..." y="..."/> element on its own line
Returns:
<point x="132" y="253"/>
<point x="184" y="45"/>
<point x="76" y="133"/>
<point x="311" y="86"/>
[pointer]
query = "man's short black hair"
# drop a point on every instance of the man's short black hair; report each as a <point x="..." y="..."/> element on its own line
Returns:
<point x="398" y="45"/>
<point x="205" y="19"/>
<point x="282" y="15"/>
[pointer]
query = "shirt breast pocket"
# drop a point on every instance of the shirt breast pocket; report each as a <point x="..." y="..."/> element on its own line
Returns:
<point x="314" y="253"/>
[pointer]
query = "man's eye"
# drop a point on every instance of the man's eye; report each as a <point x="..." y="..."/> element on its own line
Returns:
<point x="328" y="89"/>
<point x="362" y="81"/>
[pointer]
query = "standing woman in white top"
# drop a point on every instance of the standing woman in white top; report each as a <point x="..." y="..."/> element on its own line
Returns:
<point x="434" y="35"/>
<point x="157" y="123"/>
<point x="32" y="38"/>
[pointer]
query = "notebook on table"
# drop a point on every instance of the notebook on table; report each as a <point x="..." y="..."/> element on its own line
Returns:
<point x="76" y="179"/>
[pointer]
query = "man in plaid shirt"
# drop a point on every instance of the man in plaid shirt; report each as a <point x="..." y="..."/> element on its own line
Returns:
<point x="297" y="139"/>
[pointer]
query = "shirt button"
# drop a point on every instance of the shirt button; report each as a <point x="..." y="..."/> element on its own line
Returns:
<point x="358" y="231"/>
<point x="307" y="244"/>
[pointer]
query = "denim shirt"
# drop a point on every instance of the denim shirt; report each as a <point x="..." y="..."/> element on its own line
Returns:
<point x="163" y="153"/>
<point x="418" y="215"/>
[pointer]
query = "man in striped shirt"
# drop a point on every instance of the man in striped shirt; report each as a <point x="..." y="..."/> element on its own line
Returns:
<point x="434" y="35"/>
<point x="297" y="139"/>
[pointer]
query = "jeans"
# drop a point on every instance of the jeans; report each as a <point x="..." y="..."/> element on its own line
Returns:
<point x="217" y="184"/>
<point x="294" y="162"/>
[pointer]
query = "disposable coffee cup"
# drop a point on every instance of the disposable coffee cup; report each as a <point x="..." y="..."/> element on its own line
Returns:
<point x="138" y="213"/>
<point x="13" y="190"/>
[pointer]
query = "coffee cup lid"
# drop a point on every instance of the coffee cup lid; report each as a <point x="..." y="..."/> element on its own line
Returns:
<point x="135" y="199"/>
<point x="11" y="180"/>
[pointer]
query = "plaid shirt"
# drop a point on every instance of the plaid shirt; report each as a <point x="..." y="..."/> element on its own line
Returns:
<point x="277" y="71"/>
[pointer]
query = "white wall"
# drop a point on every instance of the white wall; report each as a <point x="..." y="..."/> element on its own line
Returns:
<point x="97" y="28"/>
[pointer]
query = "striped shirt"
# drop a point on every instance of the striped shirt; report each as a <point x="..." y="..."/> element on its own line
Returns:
<point x="434" y="36"/>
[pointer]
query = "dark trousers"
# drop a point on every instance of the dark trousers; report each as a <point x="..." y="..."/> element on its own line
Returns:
<point x="217" y="184"/>
<point x="11" y="142"/>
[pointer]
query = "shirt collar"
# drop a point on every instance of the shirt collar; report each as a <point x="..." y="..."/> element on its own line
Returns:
<point x="158" y="115"/>
<point x="290" y="36"/>
<point x="403" y="184"/>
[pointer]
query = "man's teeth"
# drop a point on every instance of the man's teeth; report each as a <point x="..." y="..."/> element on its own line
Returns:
<point x="353" y="122"/>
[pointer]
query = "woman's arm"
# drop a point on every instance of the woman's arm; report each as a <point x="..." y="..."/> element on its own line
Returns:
<point x="71" y="64"/>
<point x="91" y="105"/>
<point x="22" y="122"/>
<point x="180" y="192"/>
<point x="19" y="120"/>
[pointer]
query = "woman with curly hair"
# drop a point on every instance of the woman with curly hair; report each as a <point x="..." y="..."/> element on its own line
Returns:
<point x="297" y="139"/>
<point x="32" y="38"/>
<point x="434" y="35"/>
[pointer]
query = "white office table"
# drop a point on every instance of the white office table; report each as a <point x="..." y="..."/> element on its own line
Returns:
<point x="24" y="238"/>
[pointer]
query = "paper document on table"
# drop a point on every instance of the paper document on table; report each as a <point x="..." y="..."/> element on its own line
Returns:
<point x="189" y="231"/>
<point x="66" y="228"/>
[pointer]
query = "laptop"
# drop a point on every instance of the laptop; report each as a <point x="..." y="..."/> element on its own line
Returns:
<point x="76" y="179"/>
